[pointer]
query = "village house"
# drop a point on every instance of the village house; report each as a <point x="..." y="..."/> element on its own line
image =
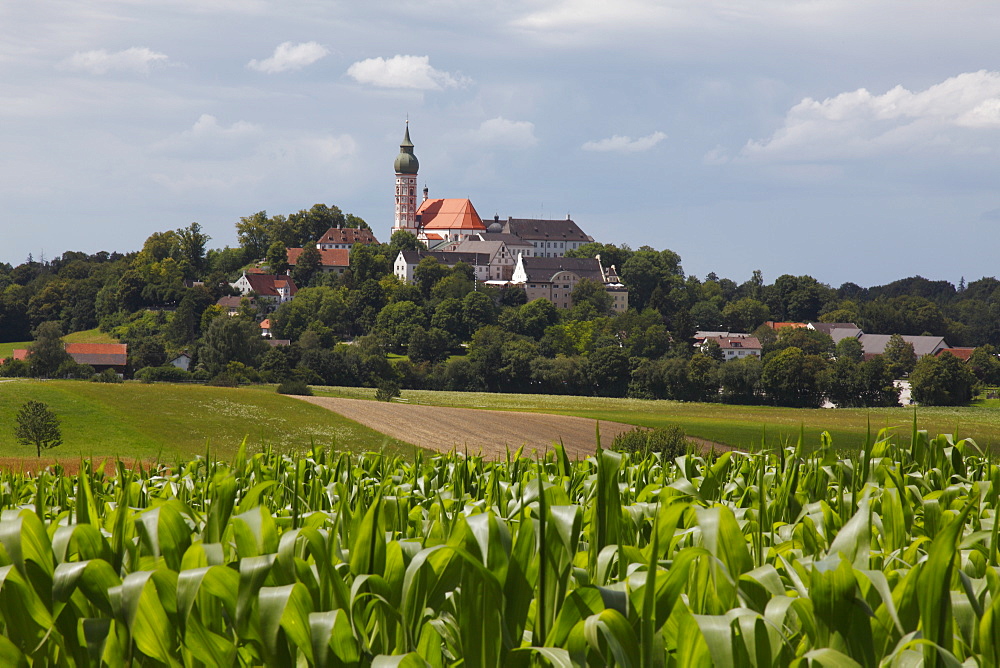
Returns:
<point x="553" y="279"/>
<point x="735" y="347"/>
<point x="271" y="290"/>
<point x="337" y="238"/>
<point x="231" y="304"/>
<point x="837" y="330"/>
<point x="334" y="260"/>
<point x="407" y="261"/>
<point x="874" y="344"/>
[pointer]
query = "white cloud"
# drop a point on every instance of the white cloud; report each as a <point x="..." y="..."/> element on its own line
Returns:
<point x="946" y="117"/>
<point x="266" y="162"/>
<point x="208" y="137"/>
<point x="289" y="57"/>
<point x="502" y="132"/>
<point x="623" y="144"/>
<point x="404" y="72"/>
<point x="137" y="59"/>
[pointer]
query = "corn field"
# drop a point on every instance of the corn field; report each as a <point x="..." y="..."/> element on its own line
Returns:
<point x="775" y="558"/>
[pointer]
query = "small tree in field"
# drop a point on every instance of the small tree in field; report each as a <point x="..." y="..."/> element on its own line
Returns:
<point x="37" y="425"/>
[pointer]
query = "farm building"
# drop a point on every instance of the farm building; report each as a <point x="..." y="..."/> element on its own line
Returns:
<point x="330" y="259"/>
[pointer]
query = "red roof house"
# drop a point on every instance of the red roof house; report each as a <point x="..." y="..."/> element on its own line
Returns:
<point x="330" y="259"/>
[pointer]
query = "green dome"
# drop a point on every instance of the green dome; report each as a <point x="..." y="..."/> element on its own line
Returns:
<point x="406" y="162"/>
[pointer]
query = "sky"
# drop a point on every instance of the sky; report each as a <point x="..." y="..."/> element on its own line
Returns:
<point x="851" y="141"/>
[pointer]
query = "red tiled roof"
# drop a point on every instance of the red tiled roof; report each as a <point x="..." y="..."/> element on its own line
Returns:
<point x="961" y="353"/>
<point x="99" y="354"/>
<point x="268" y="284"/>
<point x="449" y="214"/>
<point x="348" y="235"/>
<point x="265" y="323"/>
<point x="20" y="353"/>
<point x="328" y="257"/>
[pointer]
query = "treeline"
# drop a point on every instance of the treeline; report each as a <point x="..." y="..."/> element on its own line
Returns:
<point x="446" y="331"/>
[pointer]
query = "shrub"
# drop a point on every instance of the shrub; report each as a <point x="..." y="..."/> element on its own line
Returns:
<point x="107" y="376"/>
<point x="70" y="369"/>
<point x="295" y="387"/>
<point x="224" y="379"/>
<point x="12" y="368"/>
<point x="387" y="390"/>
<point x="669" y="442"/>
<point x="168" y="373"/>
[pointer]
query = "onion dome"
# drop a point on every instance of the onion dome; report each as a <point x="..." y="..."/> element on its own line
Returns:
<point x="406" y="162"/>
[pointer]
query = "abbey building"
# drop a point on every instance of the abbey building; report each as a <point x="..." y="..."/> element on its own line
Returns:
<point x="515" y="251"/>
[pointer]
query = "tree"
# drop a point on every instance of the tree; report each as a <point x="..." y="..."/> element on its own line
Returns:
<point x="941" y="381"/>
<point x="608" y="371"/>
<point x="536" y="316"/>
<point x="849" y="348"/>
<point x="610" y="254"/>
<point x="254" y="234"/>
<point x="369" y="261"/>
<point x="397" y="322"/>
<point x="427" y="273"/>
<point x="984" y="364"/>
<point x="428" y="345"/>
<point x="477" y="310"/>
<point x="899" y="356"/>
<point x="739" y="381"/>
<point x="792" y="378"/>
<point x="37" y="425"/>
<point x="231" y="340"/>
<point x="707" y="316"/>
<point x="277" y="258"/>
<point x="745" y="315"/>
<point x="191" y="241"/>
<point x="308" y="265"/>
<point x="589" y="291"/>
<point x="47" y="352"/>
<point x="402" y="240"/>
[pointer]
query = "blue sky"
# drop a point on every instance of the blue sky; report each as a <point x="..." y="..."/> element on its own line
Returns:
<point x="850" y="141"/>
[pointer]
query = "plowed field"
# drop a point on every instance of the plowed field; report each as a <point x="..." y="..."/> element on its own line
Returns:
<point x="489" y="432"/>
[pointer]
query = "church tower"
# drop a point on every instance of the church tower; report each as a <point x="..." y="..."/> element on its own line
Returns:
<point x="406" y="186"/>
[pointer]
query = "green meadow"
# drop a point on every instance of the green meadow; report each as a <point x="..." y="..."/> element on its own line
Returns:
<point x="166" y="421"/>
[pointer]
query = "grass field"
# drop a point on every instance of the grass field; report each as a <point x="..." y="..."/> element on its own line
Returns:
<point x="169" y="421"/>
<point x="738" y="426"/>
<point x="87" y="336"/>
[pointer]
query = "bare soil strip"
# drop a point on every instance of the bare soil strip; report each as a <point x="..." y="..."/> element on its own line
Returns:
<point x="70" y="465"/>
<point x="485" y="432"/>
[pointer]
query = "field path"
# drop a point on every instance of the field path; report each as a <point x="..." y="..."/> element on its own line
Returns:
<point x="490" y="432"/>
